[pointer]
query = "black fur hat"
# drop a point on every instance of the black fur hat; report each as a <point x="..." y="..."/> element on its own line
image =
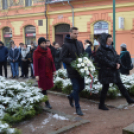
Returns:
<point x="41" y="39"/>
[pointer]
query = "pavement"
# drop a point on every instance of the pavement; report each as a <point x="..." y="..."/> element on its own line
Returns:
<point x="101" y="122"/>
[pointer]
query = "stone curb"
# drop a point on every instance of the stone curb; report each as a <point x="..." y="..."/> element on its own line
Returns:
<point x="79" y="122"/>
<point x="129" y="129"/>
<point x="67" y="128"/>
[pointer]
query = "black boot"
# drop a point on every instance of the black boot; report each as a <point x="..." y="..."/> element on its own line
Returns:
<point x="103" y="107"/>
<point x="103" y="95"/>
<point x="125" y="94"/>
<point x="79" y="112"/>
<point x="128" y="98"/>
<point x="70" y="101"/>
<point x="48" y="105"/>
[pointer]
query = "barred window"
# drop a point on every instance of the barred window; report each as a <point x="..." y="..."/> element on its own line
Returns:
<point x="62" y="28"/>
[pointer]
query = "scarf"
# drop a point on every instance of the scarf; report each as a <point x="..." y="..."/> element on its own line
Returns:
<point x="39" y="53"/>
<point x="122" y="53"/>
<point x="24" y="52"/>
<point x="86" y="46"/>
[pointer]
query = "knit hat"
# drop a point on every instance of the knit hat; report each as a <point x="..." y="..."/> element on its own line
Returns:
<point x="123" y="45"/>
<point x="40" y="40"/>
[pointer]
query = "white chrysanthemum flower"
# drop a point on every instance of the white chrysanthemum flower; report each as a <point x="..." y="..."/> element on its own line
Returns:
<point x="78" y="65"/>
<point x="82" y="70"/>
<point x="80" y="60"/>
<point x="86" y="68"/>
<point x="82" y="64"/>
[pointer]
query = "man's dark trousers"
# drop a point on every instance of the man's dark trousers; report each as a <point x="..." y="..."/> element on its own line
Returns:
<point x="3" y="64"/>
<point x="78" y="86"/>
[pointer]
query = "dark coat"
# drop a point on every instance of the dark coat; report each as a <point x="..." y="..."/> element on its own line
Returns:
<point x="70" y="50"/>
<point x="89" y="51"/>
<point x="53" y="50"/>
<point x="30" y="55"/>
<point x="57" y="59"/>
<point x="107" y="59"/>
<point x="3" y="54"/>
<point x="14" y="55"/>
<point x="125" y="62"/>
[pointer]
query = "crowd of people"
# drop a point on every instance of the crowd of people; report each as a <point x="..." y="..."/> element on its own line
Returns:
<point x="44" y="59"/>
<point x="22" y="57"/>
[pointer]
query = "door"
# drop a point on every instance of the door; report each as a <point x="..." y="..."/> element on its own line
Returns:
<point x="59" y="39"/>
<point x="60" y="32"/>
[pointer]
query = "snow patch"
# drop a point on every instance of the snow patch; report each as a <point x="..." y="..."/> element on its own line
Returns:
<point x="56" y="116"/>
<point x="47" y="120"/>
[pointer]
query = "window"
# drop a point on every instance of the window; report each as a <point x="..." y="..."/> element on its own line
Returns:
<point x="62" y="28"/>
<point x="100" y="27"/>
<point x="4" y="4"/>
<point x="28" y="3"/>
<point x="40" y="22"/>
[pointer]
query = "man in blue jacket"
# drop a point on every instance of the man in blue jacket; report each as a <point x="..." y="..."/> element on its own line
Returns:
<point x="3" y="58"/>
<point x="13" y="57"/>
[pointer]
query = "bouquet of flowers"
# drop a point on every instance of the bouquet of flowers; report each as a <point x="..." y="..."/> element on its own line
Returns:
<point x="84" y="66"/>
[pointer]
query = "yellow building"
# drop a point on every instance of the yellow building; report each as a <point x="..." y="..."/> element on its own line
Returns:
<point x="27" y="20"/>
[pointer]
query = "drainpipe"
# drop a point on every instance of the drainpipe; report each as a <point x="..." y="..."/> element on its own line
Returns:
<point x="72" y="12"/>
<point x="46" y="20"/>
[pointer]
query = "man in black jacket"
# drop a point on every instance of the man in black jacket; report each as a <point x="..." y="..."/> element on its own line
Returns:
<point x="70" y="50"/>
<point x="53" y="50"/>
<point x="109" y="65"/>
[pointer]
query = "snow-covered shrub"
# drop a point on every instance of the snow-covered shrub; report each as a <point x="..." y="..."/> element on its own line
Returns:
<point x="62" y="82"/>
<point x="18" y="101"/>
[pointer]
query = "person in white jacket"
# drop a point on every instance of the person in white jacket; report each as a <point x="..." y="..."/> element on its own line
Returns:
<point x="24" y="52"/>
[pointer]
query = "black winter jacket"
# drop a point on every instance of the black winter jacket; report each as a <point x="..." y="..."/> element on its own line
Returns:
<point x="70" y="50"/>
<point x="107" y="59"/>
<point x="57" y="59"/>
<point x="125" y="62"/>
<point x="89" y="51"/>
<point x="53" y="50"/>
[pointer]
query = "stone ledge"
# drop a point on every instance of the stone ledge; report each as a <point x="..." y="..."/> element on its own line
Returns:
<point x="79" y="121"/>
<point x="129" y="129"/>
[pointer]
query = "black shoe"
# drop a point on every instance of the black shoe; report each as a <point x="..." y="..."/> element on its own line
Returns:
<point x="21" y="76"/>
<point x="79" y="112"/>
<point x="70" y="101"/>
<point x="103" y="107"/>
<point x="48" y="105"/>
<point x="130" y="101"/>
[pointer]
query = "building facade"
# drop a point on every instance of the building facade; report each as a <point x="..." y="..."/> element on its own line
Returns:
<point x="27" y="20"/>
